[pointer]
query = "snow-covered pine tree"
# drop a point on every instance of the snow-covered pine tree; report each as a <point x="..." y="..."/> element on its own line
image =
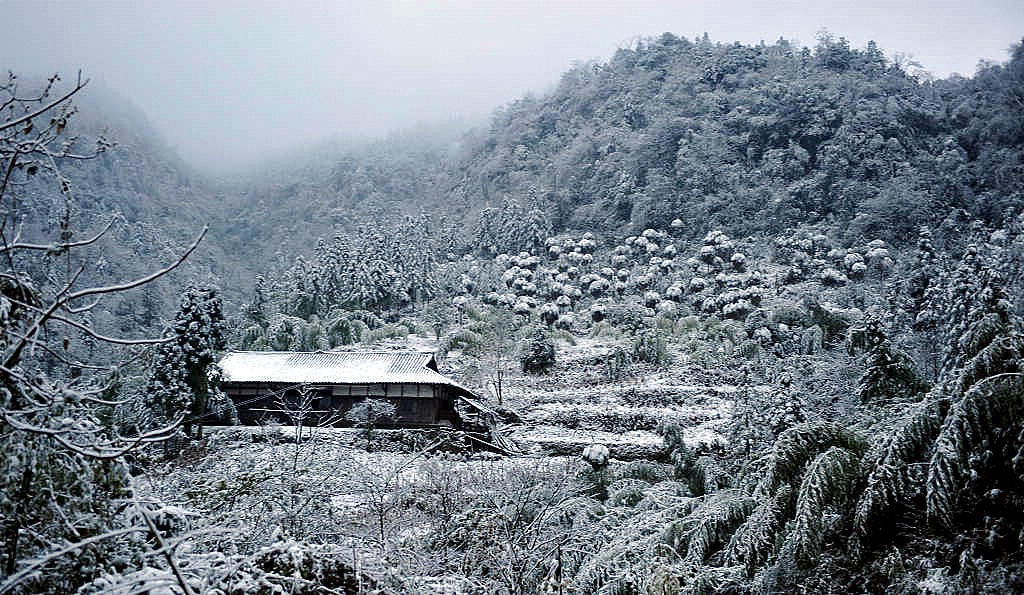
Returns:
<point x="256" y="310"/>
<point x="179" y="384"/>
<point x="889" y="373"/>
<point x="925" y="286"/>
<point x="416" y="256"/>
<point x="541" y="354"/>
<point x="960" y="299"/>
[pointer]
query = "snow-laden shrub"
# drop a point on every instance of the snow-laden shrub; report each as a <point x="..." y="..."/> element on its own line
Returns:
<point x="876" y="254"/>
<point x="752" y="295"/>
<point x="510" y="275"/>
<point x="650" y="346"/>
<point x="548" y="313"/>
<point x="738" y="261"/>
<point x="737" y="310"/>
<point x="763" y="335"/>
<point x="596" y="455"/>
<point x="539" y="356"/>
<point x="795" y="274"/>
<point x="565" y="322"/>
<point x="616" y="363"/>
<point x="651" y="299"/>
<point x="666" y="307"/>
<point x="715" y="237"/>
<point x="811" y="341"/>
<point x="626" y="492"/>
<point x="645" y="471"/>
<point x="833" y="278"/>
<point x="522" y="308"/>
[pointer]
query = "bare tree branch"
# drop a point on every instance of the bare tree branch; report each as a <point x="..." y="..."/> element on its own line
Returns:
<point x="142" y="280"/>
<point x="15" y="579"/>
<point x="47" y="107"/>
<point x="62" y="246"/>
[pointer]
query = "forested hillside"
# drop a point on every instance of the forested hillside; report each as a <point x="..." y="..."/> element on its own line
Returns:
<point x="749" y="318"/>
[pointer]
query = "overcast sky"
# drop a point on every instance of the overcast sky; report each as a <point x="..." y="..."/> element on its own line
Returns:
<point x="230" y="82"/>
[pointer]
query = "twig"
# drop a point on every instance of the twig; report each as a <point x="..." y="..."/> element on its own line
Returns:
<point x="13" y="580"/>
<point x="47" y="107"/>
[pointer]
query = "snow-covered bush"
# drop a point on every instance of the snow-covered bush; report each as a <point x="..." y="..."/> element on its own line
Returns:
<point x="596" y="455"/>
<point x="539" y="356"/>
<point x="832" y="278"/>
<point x="565" y="322"/>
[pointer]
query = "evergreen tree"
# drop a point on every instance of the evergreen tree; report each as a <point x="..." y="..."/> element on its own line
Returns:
<point x="889" y="373"/>
<point x="541" y="354"/>
<point x="967" y="431"/>
<point x="180" y="384"/>
<point x="925" y="285"/>
<point x="255" y="311"/>
<point x="960" y="297"/>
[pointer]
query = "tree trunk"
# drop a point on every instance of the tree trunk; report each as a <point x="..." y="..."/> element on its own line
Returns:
<point x="14" y="524"/>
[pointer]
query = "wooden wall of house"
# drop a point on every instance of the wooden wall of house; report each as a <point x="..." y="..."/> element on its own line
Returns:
<point x="415" y="404"/>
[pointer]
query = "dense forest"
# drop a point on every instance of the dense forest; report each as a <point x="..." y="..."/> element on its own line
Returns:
<point x="750" y="316"/>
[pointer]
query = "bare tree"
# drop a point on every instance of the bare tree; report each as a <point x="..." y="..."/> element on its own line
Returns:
<point x="55" y="430"/>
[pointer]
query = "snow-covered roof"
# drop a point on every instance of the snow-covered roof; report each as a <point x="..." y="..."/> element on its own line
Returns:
<point x="333" y="367"/>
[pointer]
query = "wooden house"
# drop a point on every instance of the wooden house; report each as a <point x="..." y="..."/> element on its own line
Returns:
<point x="323" y="385"/>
